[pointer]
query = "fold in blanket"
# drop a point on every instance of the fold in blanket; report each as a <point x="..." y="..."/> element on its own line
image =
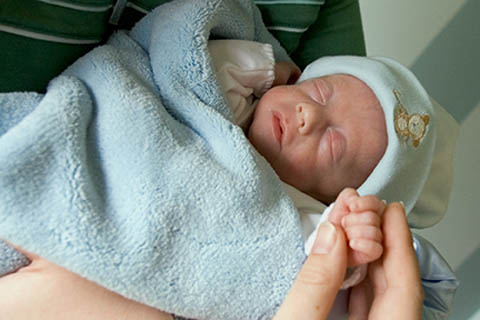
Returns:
<point x="129" y="172"/>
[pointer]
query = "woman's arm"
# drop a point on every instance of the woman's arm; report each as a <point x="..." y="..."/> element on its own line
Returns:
<point x="43" y="290"/>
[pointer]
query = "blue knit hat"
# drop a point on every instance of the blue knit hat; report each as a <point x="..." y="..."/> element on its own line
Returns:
<point x="410" y="116"/>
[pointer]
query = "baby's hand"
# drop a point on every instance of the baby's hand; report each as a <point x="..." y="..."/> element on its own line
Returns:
<point x="286" y="73"/>
<point x="360" y="217"/>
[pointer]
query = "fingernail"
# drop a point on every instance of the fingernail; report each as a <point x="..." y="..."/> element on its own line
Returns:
<point x="325" y="240"/>
<point x="402" y="204"/>
<point x="384" y="201"/>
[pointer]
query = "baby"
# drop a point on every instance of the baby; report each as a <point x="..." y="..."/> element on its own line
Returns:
<point x="347" y="123"/>
<point x="323" y="135"/>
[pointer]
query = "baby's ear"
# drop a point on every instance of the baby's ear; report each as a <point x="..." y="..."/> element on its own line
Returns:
<point x="341" y="208"/>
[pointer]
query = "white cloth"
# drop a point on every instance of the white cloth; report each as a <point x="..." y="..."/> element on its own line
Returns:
<point x="245" y="71"/>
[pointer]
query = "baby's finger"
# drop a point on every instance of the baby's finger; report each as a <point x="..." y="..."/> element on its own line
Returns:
<point x="369" y="218"/>
<point x="364" y="232"/>
<point x="340" y="208"/>
<point x="347" y="195"/>
<point x="368" y="249"/>
<point x="367" y="203"/>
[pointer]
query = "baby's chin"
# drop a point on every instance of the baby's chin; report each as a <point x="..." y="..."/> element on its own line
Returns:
<point x="329" y="196"/>
<point x="326" y="199"/>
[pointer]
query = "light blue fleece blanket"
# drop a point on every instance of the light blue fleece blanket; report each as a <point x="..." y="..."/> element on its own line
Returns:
<point x="128" y="171"/>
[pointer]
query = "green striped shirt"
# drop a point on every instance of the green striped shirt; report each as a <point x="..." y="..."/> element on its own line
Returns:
<point x="287" y="27"/>
<point x="40" y="38"/>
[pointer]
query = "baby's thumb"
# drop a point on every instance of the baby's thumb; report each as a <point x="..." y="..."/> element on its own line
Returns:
<point x="313" y="293"/>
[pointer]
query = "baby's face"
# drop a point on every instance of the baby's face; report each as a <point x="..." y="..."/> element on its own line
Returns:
<point x="321" y="135"/>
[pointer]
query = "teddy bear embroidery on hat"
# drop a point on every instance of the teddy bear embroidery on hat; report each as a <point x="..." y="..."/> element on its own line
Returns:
<point x="409" y="126"/>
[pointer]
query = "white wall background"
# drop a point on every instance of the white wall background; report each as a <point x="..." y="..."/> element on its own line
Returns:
<point x="404" y="30"/>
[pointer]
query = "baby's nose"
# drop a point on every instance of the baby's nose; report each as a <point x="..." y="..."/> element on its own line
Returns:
<point x="308" y="117"/>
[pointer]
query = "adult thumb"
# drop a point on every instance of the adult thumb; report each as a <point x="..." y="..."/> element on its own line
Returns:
<point x="313" y="293"/>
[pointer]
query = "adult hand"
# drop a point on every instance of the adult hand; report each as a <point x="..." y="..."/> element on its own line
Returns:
<point x="313" y="293"/>
<point x="393" y="286"/>
<point x="43" y="290"/>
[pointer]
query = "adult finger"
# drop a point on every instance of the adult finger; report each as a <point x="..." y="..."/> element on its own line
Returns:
<point x="319" y="280"/>
<point x="400" y="261"/>
<point x="359" y="301"/>
<point x="395" y="277"/>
